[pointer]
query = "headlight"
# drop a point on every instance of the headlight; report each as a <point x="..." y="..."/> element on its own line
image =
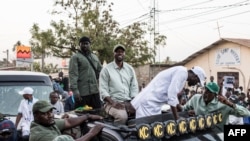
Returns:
<point x="219" y="115"/>
<point x="182" y="126"/>
<point x="201" y="122"/>
<point x="209" y="121"/>
<point x="215" y="119"/>
<point x="192" y="124"/>
<point x="170" y="128"/>
<point x="144" y="131"/>
<point x="158" y="129"/>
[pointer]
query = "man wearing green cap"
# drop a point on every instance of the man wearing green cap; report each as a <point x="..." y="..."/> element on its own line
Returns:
<point x="118" y="85"/>
<point x="46" y="128"/>
<point x="211" y="102"/>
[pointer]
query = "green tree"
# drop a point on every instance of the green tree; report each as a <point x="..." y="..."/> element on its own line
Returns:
<point x="40" y="43"/>
<point x="92" y="18"/>
<point x="49" y="68"/>
<point x="18" y="43"/>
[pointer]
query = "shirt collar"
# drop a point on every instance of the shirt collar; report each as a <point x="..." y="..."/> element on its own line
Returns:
<point x="214" y="101"/>
<point x="116" y="66"/>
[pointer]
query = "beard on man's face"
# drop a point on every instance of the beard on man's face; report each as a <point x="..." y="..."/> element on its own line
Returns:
<point x="49" y="124"/>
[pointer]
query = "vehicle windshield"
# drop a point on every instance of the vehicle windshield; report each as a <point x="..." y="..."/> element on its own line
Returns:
<point x="10" y="98"/>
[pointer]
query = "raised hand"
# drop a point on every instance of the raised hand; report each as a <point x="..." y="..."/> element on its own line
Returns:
<point x="222" y="99"/>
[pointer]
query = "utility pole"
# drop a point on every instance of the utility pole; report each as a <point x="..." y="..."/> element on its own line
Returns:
<point x="7" y="64"/>
<point x="153" y="29"/>
<point x="154" y="25"/>
<point x="7" y="58"/>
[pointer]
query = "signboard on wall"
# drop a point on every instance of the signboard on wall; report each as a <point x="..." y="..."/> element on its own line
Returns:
<point x="23" y="56"/>
<point x="23" y="52"/>
<point x="229" y="78"/>
<point x="22" y="64"/>
<point x="227" y="56"/>
<point x="228" y="81"/>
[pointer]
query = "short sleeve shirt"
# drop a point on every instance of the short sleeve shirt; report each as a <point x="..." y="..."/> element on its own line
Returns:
<point x="25" y="108"/>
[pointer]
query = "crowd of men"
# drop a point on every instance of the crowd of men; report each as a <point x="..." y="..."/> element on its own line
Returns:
<point x="115" y="89"/>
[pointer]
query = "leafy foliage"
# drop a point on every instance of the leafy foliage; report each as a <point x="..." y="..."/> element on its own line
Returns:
<point x="50" y="68"/>
<point x="92" y="18"/>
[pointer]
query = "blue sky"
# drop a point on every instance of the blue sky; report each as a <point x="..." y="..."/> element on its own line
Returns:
<point x="189" y="25"/>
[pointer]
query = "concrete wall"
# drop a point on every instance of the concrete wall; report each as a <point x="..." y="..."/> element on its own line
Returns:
<point x="212" y="62"/>
<point x="209" y="61"/>
<point x="147" y="72"/>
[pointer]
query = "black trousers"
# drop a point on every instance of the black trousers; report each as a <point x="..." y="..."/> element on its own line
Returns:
<point x="92" y="100"/>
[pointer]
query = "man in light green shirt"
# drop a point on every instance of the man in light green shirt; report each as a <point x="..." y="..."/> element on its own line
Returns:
<point x="118" y="84"/>
<point x="211" y="102"/>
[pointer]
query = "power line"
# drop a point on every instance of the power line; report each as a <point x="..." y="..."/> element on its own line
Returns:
<point x="211" y="7"/>
<point x="141" y="4"/>
<point x="201" y="14"/>
<point x="129" y="23"/>
<point x="195" y="4"/>
<point x="148" y="14"/>
<point x="214" y="10"/>
<point x="138" y="19"/>
<point x="213" y="19"/>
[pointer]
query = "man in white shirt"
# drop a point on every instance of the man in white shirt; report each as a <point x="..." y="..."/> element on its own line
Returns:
<point x="56" y="103"/>
<point x="25" y="112"/>
<point x="163" y="89"/>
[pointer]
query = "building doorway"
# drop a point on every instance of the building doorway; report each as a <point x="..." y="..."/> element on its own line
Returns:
<point x="231" y="80"/>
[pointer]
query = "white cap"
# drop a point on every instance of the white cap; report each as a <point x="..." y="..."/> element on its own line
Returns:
<point x="200" y="73"/>
<point x="26" y="90"/>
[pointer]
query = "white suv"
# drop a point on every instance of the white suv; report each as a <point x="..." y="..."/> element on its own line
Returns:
<point x="11" y="82"/>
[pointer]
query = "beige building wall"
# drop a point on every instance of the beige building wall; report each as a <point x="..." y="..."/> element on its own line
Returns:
<point x="230" y="52"/>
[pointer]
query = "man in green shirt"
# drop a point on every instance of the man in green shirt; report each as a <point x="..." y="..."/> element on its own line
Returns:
<point x="84" y="69"/>
<point x="46" y="128"/>
<point x="211" y="102"/>
<point x="118" y="85"/>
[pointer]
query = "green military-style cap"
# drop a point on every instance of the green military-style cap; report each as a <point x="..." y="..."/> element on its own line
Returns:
<point x="42" y="106"/>
<point x="213" y="87"/>
<point x="119" y="46"/>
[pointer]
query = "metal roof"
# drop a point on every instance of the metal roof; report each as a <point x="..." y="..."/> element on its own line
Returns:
<point x="244" y="42"/>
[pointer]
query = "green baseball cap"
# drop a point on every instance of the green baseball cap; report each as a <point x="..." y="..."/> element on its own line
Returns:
<point x="42" y="106"/>
<point x="119" y="46"/>
<point x="213" y="87"/>
<point x="63" y="138"/>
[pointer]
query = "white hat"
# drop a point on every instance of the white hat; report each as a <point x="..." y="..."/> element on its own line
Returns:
<point x="200" y="73"/>
<point x="26" y="90"/>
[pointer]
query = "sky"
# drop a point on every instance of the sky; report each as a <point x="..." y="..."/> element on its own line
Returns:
<point x="190" y="25"/>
